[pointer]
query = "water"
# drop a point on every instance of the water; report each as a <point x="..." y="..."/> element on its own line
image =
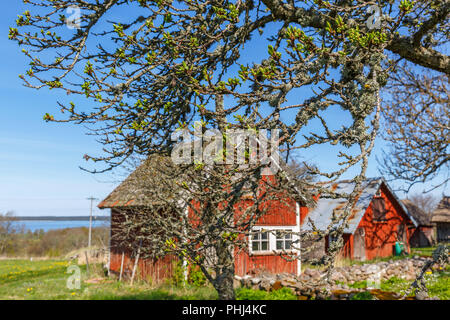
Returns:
<point x="46" y="225"/>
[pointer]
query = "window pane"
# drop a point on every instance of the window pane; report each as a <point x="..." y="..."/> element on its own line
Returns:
<point x="279" y="245"/>
<point x="255" y="236"/>
<point x="255" y="246"/>
<point x="287" y="245"/>
<point x="288" y="236"/>
<point x="264" y="235"/>
<point x="264" y="245"/>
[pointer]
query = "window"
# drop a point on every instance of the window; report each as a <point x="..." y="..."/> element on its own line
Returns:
<point x="272" y="238"/>
<point x="379" y="209"/>
<point x="283" y="240"/>
<point x="260" y="241"/>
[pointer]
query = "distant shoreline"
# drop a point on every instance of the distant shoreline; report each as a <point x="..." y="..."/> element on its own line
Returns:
<point x="57" y="218"/>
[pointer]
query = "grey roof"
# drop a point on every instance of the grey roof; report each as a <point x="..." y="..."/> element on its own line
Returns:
<point x="322" y="215"/>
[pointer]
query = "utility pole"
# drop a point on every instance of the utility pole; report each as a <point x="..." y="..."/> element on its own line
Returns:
<point x="90" y="220"/>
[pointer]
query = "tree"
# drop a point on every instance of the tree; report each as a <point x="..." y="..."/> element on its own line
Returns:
<point x="169" y="63"/>
<point x="7" y="229"/>
<point x="426" y="202"/>
<point x="417" y="122"/>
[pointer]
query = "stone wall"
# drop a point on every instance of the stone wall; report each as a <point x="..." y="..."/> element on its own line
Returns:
<point x="311" y="285"/>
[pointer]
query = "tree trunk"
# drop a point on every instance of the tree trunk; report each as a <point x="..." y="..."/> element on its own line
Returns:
<point x="224" y="285"/>
<point x="225" y="271"/>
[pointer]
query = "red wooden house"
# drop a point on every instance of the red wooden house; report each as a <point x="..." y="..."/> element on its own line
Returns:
<point x="377" y="221"/>
<point x="261" y="255"/>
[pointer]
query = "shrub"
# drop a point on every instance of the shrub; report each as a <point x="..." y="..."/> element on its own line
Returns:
<point x="195" y="277"/>
<point x="362" y="296"/>
<point x="251" y="294"/>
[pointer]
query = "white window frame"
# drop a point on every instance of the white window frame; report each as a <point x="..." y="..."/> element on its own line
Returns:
<point x="260" y="240"/>
<point x="272" y="239"/>
<point x="286" y="235"/>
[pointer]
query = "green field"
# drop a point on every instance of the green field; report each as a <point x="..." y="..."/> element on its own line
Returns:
<point x="47" y="279"/>
<point x="438" y="285"/>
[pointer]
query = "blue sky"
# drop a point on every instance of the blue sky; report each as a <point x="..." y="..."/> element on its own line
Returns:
<point x="39" y="161"/>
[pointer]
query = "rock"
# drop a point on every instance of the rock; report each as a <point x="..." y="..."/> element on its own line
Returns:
<point x="237" y="282"/>
<point x="287" y="284"/>
<point x="313" y="274"/>
<point x="322" y="295"/>
<point x="308" y="271"/>
<point x="337" y="276"/>
<point x="385" y="295"/>
<point x="390" y="272"/>
<point x="277" y="285"/>
<point x="290" y="279"/>
<point x="298" y="286"/>
<point x="265" y="285"/>
<point x="304" y="277"/>
<point x="421" y="295"/>
<point x="246" y="281"/>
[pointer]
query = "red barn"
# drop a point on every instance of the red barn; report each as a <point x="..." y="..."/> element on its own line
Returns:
<point x="261" y="255"/>
<point x="377" y="221"/>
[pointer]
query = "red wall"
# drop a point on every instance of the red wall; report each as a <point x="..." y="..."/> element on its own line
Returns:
<point x="154" y="269"/>
<point x="254" y="264"/>
<point x="380" y="237"/>
<point x="279" y="214"/>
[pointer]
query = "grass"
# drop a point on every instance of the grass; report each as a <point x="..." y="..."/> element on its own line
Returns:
<point x="250" y="294"/>
<point x="22" y="279"/>
<point x="423" y="251"/>
<point x="437" y="282"/>
<point x="47" y="280"/>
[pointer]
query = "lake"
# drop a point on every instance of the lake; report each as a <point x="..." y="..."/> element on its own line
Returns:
<point x="46" y="225"/>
